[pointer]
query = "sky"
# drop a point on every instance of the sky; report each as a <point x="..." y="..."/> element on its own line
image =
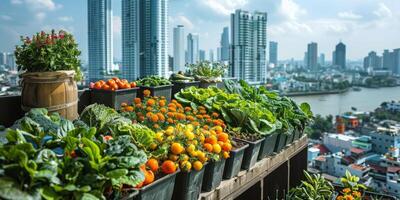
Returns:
<point x="363" y="25"/>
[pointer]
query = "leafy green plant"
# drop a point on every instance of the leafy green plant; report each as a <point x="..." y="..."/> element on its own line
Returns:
<point x="207" y="71"/>
<point x="152" y="81"/>
<point x="48" y="52"/>
<point x="315" y="187"/>
<point x="351" y="181"/>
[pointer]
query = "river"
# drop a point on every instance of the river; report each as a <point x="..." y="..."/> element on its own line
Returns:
<point x="365" y="100"/>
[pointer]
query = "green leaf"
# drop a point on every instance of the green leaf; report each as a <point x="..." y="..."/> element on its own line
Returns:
<point x="10" y="190"/>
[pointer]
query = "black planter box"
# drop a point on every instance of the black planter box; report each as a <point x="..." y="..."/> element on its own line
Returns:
<point x="213" y="175"/>
<point x="113" y="99"/>
<point x="188" y="185"/>
<point x="369" y="195"/>
<point x="234" y="162"/>
<point x="158" y="91"/>
<point x="280" y="142"/>
<point x="178" y="86"/>
<point x="251" y="153"/>
<point x="268" y="146"/>
<point x="289" y="139"/>
<point x="160" y="189"/>
<point x="207" y="84"/>
<point x="297" y="135"/>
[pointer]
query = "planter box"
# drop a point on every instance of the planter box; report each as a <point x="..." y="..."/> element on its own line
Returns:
<point x="188" y="185"/>
<point x="113" y="99"/>
<point x="207" y="84"/>
<point x="280" y="142"/>
<point x="234" y="162"/>
<point x="178" y="86"/>
<point x="268" y="146"/>
<point x="251" y="153"/>
<point x="213" y="175"/>
<point x="158" y="91"/>
<point x="297" y="135"/>
<point x="289" y="139"/>
<point x="160" y="189"/>
<point x="130" y="194"/>
<point x="373" y="195"/>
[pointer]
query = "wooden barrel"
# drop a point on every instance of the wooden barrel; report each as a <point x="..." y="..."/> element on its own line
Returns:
<point x="55" y="91"/>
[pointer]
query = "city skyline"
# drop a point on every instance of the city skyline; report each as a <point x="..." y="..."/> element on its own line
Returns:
<point x="343" y="21"/>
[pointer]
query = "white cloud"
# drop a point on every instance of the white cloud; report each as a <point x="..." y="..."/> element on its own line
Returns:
<point x="40" y="16"/>
<point x="383" y="11"/>
<point x="16" y="2"/>
<point x="290" y="10"/>
<point x="349" y="15"/>
<point x="224" y="7"/>
<point x="116" y="24"/>
<point x="66" y="19"/>
<point x="5" y="17"/>
<point x="182" y="20"/>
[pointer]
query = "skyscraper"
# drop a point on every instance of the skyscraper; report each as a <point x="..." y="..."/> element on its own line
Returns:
<point x="100" y="38"/>
<point x="387" y="60"/>
<point x="144" y="38"/>
<point x="396" y="61"/>
<point x="321" y="59"/>
<point x="211" y="55"/>
<point x="3" y="58"/>
<point x="179" y="49"/>
<point x="219" y="54"/>
<point x="192" y="48"/>
<point x="225" y="44"/>
<point x="373" y="61"/>
<point x="248" y="49"/>
<point x="202" y="55"/>
<point x="273" y="53"/>
<point x="340" y="56"/>
<point x="312" y="56"/>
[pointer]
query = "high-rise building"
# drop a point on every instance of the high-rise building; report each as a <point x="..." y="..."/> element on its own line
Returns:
<point x="305" y="59"/>
<point x="219" y="54"/>
<point x="144" y="38"/>
<point x="3" y="58"/>
<point x="202" y="55"/>
<point x="211" y="55"/>
<point x="248" y="49"/>
<point x="373" y="61"/>
<point x="192" y="48"/>
<point x="312" y="56"/>
<point x="387" y="60"/>
<point x="273" y="53"/>
<point x="396" y="61"/>
<point x="179" y="49"/>
<point x="333" y="58"/>
<point x="10" y="62"/>
<point x="340" y="56"/>
<point x="100" y="38"/>
<point x="225" y="44"/>
<point x="321" y="59"/>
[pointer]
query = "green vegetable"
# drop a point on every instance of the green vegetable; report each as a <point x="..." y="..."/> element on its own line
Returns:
<point x="206" y="71"/>
<point x="152" y="81"/>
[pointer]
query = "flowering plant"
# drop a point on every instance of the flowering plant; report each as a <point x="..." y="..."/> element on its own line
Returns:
<point x="47" y="52"/>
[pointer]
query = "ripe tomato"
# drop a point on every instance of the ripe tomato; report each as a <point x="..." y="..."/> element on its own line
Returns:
<point x="127" y="85"/>
<point x="115" y="78"/>
<point x="97" y="85"/>
<point x="110" y="82"/>
<point x="105" y="87"/>
<point x="114" y="86"/>
<point x="121" y="85"/>
<point x="133" y="84"/>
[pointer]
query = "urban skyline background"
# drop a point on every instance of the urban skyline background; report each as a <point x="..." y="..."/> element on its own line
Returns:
<point x="362" y="25"/>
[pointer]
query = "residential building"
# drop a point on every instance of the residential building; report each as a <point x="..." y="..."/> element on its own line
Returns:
<point x="385" y="136"/>
<point x="312" y="56"/>
<point x="144" y="38"/>
<point x="273" y="53"/>
<point x="396" y="61"/>
<point x="338" y="142"/>
<point x="100" y="38"/>
<point x="11" y="62"/>
<point x="179" y="49"/>
<point x="392" y="106"/>
<point x="321" y="59"/>
<point x="202" y="55"/>
<point x="3" y="58"/>
<point x="224" y="42"/>
<point x="219" y="54"/>
<point x="387" y="60"/>
<point x="305" y="59"/>
<point x="340" y="56"/>
<point x="192" y="48"/>
<point x="248" y="49"/>
<point x="211" y="55"/>
<point x="373" y="61"/>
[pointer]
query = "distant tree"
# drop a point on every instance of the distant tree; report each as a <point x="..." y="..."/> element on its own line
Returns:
<point x="321" y="125"/>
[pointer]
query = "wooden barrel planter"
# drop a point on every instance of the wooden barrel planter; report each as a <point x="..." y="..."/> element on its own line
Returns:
<point x="55" y="91"/>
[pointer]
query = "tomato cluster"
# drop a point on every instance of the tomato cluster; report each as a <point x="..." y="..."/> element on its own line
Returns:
<point x="113" y="84"/>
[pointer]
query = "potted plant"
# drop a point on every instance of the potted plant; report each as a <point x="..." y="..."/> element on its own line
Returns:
<point x="181" y="81"/>
<point x="209" y="74"/>
<point x="314" y="187"/>
<point x="158" y="86"/>
<point x="50" y="65"/>
<point x="234" y="163"/>
<point x="113" y="92"/>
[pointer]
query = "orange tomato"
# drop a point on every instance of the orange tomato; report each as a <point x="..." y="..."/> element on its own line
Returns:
<point x="133" y="84"/>
<point x="97" y="85"/>
<point x="110" y="82"/>
<point x="208" y="147"/>
<point x="120" y="85"/>
<point x="105" y="87"/>
<point x="168" y="167"/>
<point x="148" y="177"/>
<point x="152" y="164"/>
<point x="223" y="137"/>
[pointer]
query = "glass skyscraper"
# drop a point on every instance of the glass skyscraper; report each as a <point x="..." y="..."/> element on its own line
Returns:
<point x="340" y="56"/>
<point x="144" y="38"/>
<point x="192" y="48"/>
<point x="179" y="49"/>
<point x="248" y="48"/>
<point x="225" y="44"/>
<point x="273" y="53"/>
<point x="312" y="56"/>
<point x="100" y="39"/>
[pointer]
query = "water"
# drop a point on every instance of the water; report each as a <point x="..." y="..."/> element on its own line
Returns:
<point x="365" y="100"/>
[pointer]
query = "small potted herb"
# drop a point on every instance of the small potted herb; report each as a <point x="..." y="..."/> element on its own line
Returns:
<point x="209" y="74"/>
<point x="158" y="86"/>
<point x="50" y="66"/>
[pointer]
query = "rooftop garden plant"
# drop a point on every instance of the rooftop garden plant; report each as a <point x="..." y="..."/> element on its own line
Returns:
<point x="206" y="71"/>
<point x="180" y="77"/>
<point x="315" y="187"/>
<point x="153" y="81"/>
<point x="49" y="52"/>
